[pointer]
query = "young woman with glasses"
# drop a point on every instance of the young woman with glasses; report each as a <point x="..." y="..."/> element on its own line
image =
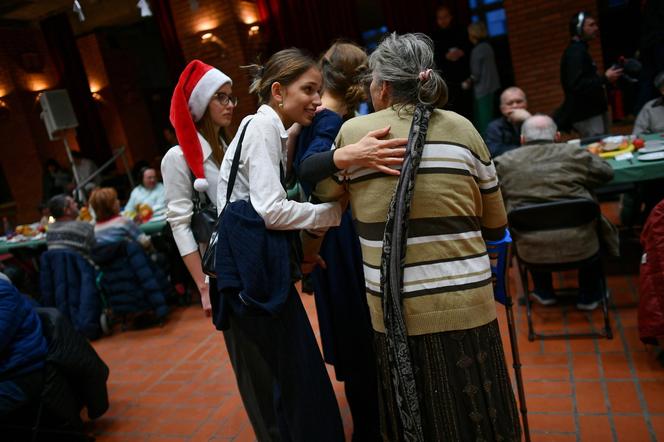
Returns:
<point x="201" y="109"/>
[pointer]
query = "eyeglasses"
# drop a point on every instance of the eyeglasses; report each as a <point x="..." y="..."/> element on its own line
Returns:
<point x="225" y="99"/>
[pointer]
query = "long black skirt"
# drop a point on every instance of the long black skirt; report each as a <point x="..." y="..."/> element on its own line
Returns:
<point x="463" y="387"/>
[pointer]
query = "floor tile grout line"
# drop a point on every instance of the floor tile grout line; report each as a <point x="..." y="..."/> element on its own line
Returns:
<point x="183" y="360"/>
<point x="605" y="388"/>
<point x="557" y="433"/>
<point x="178" y="364"/>
<point x="570" y="364"/>
<point x="630" y="362"/>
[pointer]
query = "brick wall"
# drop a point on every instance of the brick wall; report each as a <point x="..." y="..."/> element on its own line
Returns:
<point x="222" y="18"/>
<point x="25" y="69"/>
<point x="95" y="68"/>
<point x="123" y="107"/>
<point x="538" y="35"/>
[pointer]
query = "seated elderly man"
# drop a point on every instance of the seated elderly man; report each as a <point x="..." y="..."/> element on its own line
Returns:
<point x="503" y="133"/>
<point x="543" y="170"/>
<point x="651" y="118"/>
<point x="66" y="232"/>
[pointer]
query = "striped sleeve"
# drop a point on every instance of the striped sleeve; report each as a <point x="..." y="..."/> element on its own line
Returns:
<point x="493" y="219"/>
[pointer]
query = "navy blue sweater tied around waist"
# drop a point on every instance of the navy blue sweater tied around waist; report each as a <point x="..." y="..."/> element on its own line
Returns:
<point x="252" y="265"/>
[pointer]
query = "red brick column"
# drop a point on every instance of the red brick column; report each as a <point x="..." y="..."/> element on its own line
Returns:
<point x="538" y="35"/>
<point x="223" y="19"/>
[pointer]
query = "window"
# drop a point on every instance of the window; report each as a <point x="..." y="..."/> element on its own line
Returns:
<point x="372" y="37"/>
<point x="492" y="13"/>
<point x="496" y="22"/>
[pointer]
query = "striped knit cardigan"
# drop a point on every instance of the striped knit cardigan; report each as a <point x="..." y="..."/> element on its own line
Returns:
<point x="456" y="205"/>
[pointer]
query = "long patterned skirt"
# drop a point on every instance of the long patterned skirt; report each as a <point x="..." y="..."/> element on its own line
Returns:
<point x="463" y="387"/>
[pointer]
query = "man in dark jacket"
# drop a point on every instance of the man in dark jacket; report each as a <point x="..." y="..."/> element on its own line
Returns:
<point x="585" y="106"/>
<point x="504" y="133"/>
<point x="23" y="350"/>
<point x="540" y="171"/>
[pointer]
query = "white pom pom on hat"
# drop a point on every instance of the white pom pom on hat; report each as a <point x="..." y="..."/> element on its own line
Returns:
<point x="196" y="86"/>
<point x="201" y="184"/>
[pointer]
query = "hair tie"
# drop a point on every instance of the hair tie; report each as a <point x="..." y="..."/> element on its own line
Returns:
<point x="424" y="75"/>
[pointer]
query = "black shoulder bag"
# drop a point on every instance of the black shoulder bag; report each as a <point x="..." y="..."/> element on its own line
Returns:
<point x="209" y="260"/>
<point x="204" y="217"/>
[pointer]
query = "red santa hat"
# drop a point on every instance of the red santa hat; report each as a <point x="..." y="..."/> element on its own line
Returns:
<point x="196" y="86"/>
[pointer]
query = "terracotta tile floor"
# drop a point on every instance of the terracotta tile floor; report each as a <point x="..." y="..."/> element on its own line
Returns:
<point x="175" y="383"/>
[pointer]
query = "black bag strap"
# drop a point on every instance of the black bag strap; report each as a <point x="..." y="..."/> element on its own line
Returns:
<point x="235" y="165"/>
<point x="200" y="199"/>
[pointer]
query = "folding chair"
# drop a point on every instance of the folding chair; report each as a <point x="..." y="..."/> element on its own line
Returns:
<point x="551" y="216"/>
<point x="499" y="255"/>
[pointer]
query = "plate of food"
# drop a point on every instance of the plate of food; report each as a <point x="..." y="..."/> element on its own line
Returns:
<point x="143" y="213"/>
<point x="653" y="156"/>
<point x="610" y="147"/>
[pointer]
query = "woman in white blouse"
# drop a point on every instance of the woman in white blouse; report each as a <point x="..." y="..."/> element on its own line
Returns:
<point x="201" y="108"/>
<point x="210" y="110"/>
<point x="288" y="89"/>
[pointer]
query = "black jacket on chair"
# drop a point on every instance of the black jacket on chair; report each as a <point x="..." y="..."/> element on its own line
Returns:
<point x="75" y="376"/>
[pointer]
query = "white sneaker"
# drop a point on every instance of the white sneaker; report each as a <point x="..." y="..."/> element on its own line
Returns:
<point x="588" y="307"/>
<point x="543" y="300"/>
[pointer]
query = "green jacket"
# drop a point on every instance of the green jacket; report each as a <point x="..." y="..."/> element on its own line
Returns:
<point x="544" y="171"/>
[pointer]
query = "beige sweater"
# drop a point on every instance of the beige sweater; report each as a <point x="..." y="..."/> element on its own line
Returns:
<point x="456" y="205"/>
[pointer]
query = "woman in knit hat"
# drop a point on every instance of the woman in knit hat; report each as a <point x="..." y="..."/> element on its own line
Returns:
<point x="201" y="108"/>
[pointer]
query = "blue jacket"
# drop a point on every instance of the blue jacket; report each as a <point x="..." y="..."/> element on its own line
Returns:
<point x="252" y="264"/>
<point x="318" y="137"/>
<point x="23" y="347"/>
<point x="68" y="283"/>
<point x="130" y="282"/>
<point x="501" y="136"/>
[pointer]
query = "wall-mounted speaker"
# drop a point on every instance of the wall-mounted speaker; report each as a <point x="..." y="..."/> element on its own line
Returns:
<point x="57" y="112"/>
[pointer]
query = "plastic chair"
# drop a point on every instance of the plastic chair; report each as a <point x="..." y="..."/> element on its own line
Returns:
<point x="499" y="256"/>
<point x="557" y="215"/>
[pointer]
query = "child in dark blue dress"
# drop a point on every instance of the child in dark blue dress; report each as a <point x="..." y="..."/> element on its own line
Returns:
<point x="343" y="314"/>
